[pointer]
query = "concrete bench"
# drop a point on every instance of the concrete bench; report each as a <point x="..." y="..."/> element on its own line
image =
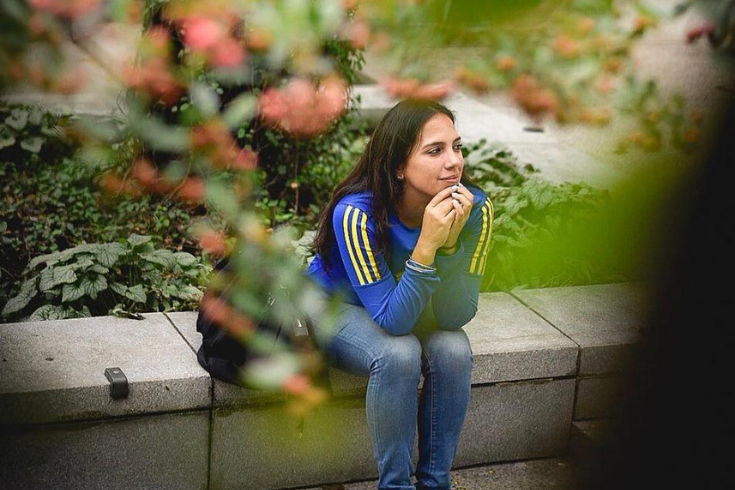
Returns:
<point x="542" y="359"/>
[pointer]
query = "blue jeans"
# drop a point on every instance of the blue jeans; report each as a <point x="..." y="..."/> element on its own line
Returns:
<point x="394" y="408"/>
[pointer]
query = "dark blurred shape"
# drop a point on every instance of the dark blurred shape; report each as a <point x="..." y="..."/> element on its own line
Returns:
<point x="676" y="429"/>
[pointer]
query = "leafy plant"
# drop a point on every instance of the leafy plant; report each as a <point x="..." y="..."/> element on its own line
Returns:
<point x="544" y="234"/>
<point x="122" y="278"/>
<point x="29" y="135"/>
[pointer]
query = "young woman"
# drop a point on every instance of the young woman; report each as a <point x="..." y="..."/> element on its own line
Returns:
<point x="403" y="245"/>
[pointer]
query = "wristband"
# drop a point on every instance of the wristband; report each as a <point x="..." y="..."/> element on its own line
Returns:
<point x="420" y="268"/>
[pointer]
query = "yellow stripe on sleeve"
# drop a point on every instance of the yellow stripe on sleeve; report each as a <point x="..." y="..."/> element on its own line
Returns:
<point x="358" y="250"/>
<point x="477" y="254"/>
<point x="491" y="213"/>
<point x="345" y="230"/>
<point x="369" y="251"/>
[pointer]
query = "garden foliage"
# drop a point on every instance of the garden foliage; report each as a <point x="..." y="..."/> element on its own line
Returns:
<point x="122" y="278"/>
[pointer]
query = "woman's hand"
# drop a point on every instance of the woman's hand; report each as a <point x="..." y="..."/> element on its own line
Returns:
<point x="439" y="216"/>
<point x="462" y="203"/>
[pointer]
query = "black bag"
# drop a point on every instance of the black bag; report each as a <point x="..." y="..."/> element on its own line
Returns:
<point x="224" y="356"/>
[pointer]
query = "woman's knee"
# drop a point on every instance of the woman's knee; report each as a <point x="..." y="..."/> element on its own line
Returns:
<point x="400" y="355"/>
<point x="449" y="349"/>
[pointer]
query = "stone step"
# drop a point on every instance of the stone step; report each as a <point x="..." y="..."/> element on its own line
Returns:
<point x="534" y="350"/>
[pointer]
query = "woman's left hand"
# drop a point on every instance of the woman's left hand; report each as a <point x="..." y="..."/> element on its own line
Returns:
<point x="462" y="202"/>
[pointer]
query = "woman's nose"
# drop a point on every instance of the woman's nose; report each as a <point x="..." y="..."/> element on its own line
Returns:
<point x="454" y="160"/>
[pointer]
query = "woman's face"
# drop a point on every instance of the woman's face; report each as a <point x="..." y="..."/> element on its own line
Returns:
<point x="436" y="161"/>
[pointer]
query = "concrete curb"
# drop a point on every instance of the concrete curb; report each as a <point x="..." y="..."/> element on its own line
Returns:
<point x="543" y="360"/>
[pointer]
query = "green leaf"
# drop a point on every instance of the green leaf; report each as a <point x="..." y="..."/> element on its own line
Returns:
<point x="33" y="144"/>
<point x="108" y="253"/>
<point x="17" y="119"/>
<point x="27" y="292"/>
<point x="43" y="259"/>
<point x="136" y="293"/>
<point x="162" y="257"/>
<point x="99" y="269"/>
<point x="189" y="293"/>
<point x="120" y="289"/>
<point x="93" y="284"/>
<point x="6" y="142"/>
<point x="82" y="264"/>
<point x="71" y="292"/>
<point x="35" y="116"/>
<point x="239" y="110"/>
<point x="48" y="312"/>
<point x="204" y="99"/>
<point x="161" y="136"/>
<point x="137" y="240"/>
<point x="223" y="199"/>
<point x="185" y="259"/>
<point x="52" y="277"/>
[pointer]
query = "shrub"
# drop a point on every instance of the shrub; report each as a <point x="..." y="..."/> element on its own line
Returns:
<point x="122" y="278"/>
<point x="544" y="234"/>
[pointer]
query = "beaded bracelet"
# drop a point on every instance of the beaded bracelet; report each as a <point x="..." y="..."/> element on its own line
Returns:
<point x="420" y="268"/>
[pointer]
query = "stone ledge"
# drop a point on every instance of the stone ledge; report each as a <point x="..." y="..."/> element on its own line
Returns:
<point x="527" y="391"/>
<point x="509" y="343"/>
<point x="53" y="371"/>
<point x="532" y="334"/>
<point x="605" y="320"/>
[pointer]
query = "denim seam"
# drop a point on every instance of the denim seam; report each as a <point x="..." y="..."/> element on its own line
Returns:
<point x="432" y="417"/>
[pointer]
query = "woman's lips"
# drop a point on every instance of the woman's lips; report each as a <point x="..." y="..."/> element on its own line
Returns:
<point x="451" y="180"/>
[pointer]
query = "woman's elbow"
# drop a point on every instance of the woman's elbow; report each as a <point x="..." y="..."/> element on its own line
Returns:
<point x="456" y="321"/>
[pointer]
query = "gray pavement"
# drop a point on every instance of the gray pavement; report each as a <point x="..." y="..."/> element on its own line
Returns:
<point x="704" y="78"/>
<point x="538" y="474"/>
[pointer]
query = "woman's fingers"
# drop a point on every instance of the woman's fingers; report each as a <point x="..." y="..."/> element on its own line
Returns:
<point x="440" y="196"/>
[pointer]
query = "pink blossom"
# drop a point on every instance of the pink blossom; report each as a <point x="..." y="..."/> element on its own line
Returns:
<point x="302" y="108"/>
<point x="228" y="53"/>
<point x="202" y="33"/>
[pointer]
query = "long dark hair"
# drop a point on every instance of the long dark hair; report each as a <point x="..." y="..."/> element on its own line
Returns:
<point x="376" y="171"/>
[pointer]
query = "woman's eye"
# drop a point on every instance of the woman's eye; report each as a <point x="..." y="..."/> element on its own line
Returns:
<point x="435" y="151"/>
<point x="458" y="147"/>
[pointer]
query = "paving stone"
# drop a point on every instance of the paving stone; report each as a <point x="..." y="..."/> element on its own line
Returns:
<point x="168" y="451"/>
<point x="605" y="320"/>
<point x="534" y="474"/>
<point x="559" y="163"/>
<point x="475" y="120"/>
<point x="53" y="371"/>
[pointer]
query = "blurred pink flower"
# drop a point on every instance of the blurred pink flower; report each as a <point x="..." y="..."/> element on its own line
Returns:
<point x="245" y="160"/>
<point x="357" y="33"/>
<point x="228" y="53"/>
<point x="202" y="33"/>
<point x="302" y="108"/>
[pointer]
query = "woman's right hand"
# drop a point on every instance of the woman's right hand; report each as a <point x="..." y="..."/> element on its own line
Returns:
<point x="437" y="221"/>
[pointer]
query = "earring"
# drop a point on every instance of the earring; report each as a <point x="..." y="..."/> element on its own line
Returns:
<point x="400" y="177"/>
